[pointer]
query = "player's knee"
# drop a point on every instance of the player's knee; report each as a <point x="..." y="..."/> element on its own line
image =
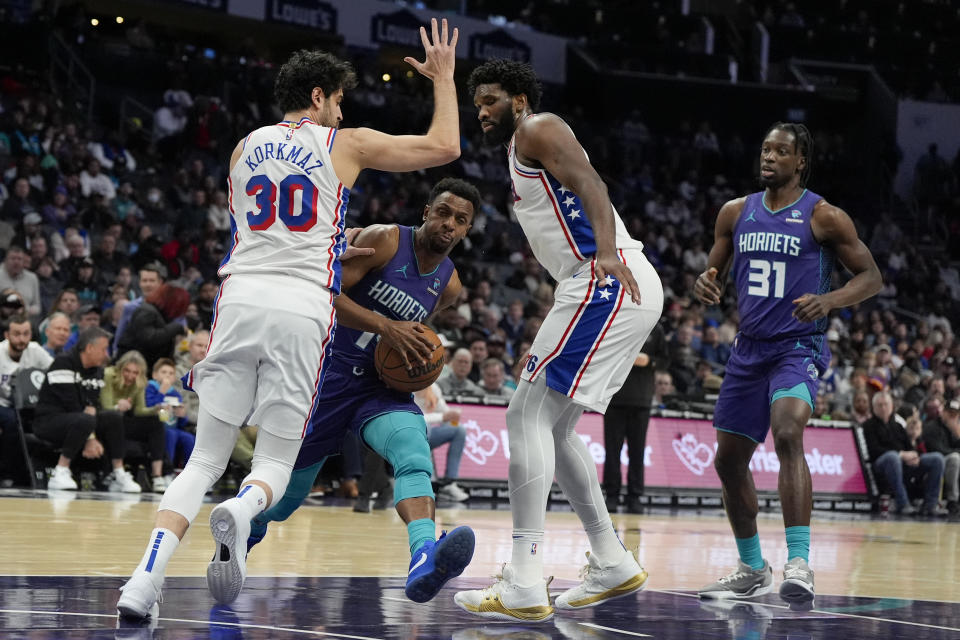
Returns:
<point x="788" y="438"/>
<point x="730" y="466"/>
<point x="412" y="474"/>
<point x="208" y="465"/>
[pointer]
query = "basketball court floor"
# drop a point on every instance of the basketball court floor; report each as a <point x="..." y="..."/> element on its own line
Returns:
<point x="331" y="573"/>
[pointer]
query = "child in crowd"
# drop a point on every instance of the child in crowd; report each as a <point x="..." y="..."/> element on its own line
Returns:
<point x="160" y="391"/>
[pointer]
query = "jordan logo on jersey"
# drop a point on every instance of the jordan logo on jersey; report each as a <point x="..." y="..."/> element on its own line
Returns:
<point x="402" y="271"/>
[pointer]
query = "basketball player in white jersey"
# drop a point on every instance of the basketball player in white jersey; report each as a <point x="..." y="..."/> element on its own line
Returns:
<point x="608" y="299"/>
<point x="289" y="185"/>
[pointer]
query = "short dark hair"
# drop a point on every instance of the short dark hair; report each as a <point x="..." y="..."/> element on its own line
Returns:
<point x="89" y="336"/>
<point x="17" y="318"/>
<point x="157" y="268"/>
<point x="512" y="76"/>
<point x="459" y="188"/>
<point x="307" y="69"/>
<point x="802" y="144"/>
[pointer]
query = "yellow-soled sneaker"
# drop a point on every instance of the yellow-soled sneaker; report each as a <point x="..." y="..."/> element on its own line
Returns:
<point x="506" y="600"/>
<point x="604" y="583"/>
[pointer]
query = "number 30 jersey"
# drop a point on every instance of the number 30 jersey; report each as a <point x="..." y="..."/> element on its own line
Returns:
<point x="776" y="259"/>
<point x="287" y="214"/>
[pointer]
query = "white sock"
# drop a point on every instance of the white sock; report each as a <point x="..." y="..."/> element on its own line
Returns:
<point x="527" y="558"/>
<point x="253" y="498"/>
<point x="163" y="543"/>
<point x="604" y="543"/>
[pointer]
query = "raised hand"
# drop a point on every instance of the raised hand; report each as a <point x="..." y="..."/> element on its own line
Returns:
<point x="441" y="52"/>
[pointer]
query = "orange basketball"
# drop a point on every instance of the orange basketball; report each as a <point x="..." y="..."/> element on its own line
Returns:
<point x="395" y="373"/>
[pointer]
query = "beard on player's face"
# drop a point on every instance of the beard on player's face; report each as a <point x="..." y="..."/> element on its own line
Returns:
<point x="501" y="132"/>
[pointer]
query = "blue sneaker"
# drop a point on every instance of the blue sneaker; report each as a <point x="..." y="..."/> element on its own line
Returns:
<point x="436" y="562"/>
<point x="257" y="533"/>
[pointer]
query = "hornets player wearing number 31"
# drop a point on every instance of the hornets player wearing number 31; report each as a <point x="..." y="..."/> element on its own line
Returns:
<point x="273" y="322"/>
<point x="781" y="245"/>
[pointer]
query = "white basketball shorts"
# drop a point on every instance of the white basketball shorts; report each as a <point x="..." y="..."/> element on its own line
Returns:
<point x="589" y="340"/>
<point x="264" y="366"/>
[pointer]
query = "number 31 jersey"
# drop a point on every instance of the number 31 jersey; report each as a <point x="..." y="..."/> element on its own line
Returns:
<point x="776" y="260"/>
<point x="287" y="212"/>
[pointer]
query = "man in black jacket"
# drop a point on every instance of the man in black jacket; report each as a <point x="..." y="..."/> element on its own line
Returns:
<point x="68" y="413"/>
<point x="895" y="460"/>
<point x="942" y="434"/>
<point x="627" y="417"/>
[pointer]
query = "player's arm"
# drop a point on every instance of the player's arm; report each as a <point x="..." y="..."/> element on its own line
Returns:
<point x="709" y="285"/>
<point x="407" y="337"/>
<point x="548" y="141"/>
<point x="237" y="152"/>
<point x="832" y="227"/>
<point x="357" y="149"/>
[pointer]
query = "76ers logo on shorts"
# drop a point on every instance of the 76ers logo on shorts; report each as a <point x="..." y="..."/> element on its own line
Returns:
<point x="531" y="362"/>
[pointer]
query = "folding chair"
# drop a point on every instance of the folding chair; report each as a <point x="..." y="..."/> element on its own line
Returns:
<point x="26" y="391"/>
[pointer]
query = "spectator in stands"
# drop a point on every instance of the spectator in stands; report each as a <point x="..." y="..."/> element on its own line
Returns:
<point x="478" y="353"/>
<point x="60" y="210"/>
<point x="154" y="325"/>
<point x="11" y="304"/>
<point x="627" y="418"/>
<point x="85" y="284"/>
<point x="124" y="391"/>
<point x="57" y="333"/>
<point x="860" y="411"/>
<point x="711" y="349"/>
<point x="458" y="381"/>
<point x="163" y="395"/>
<point x="218" y="214"/>
<point x="92" y="181"/>
<point x="684" y="358"/>
<point x="20" y="203"/>
<point x="444" y="427"/>
<point x="497" y="348"/>
<point x="16" y="352"/>
<point x="942" y="434"/>
<point x="151" y="276"/>
<point x="894" y="460"/>
<point x="662" y="387"/>
<point x="77" y="249"/>
<point x="512" y="323"/>
<point x="492" y="378"/>
<point x="68" y="414"/>
<point x="14" y="274"/>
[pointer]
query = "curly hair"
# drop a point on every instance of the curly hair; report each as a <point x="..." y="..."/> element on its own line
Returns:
<point x="308" y="69"/>
<point x="514" y="77"/>
<point x="459" y="188"/>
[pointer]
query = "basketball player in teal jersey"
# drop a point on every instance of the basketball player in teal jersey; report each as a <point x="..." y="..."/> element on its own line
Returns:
<point x="781" y="245"/>
<point x="407" y="277"/>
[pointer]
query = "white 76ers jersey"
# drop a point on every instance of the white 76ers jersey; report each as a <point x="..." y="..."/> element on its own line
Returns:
<point x="554" y="220"/>
<point x="287" y="212"/>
